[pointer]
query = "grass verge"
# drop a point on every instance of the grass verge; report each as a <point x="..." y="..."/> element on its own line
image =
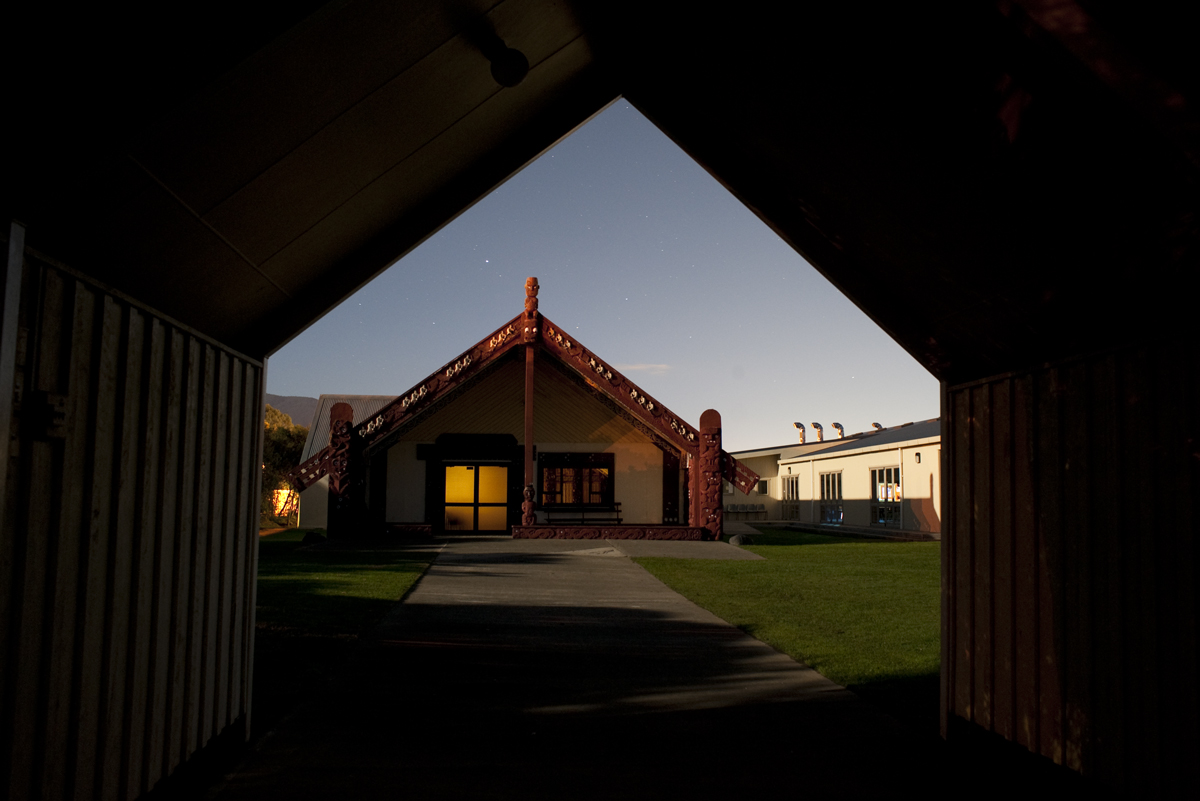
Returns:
<point x="312" y="607"/>
<point x="864" y="613"/>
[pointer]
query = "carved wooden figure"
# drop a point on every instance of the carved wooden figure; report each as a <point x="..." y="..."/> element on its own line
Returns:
<point x="341" y="513"/>
<point x="532" y="324"/>
<point x="710" y="473"/>
<point x="527" y="506"/>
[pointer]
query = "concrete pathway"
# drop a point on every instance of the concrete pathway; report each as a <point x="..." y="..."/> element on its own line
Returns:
<point x="539" y="669"/>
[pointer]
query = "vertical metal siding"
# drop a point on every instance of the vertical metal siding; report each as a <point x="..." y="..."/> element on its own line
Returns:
<point x="1069" y="619"/>
<point x="128" y="562"/>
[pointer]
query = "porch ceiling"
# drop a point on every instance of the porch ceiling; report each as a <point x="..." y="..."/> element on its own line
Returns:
<point x="247" y="184"/>
<point x="964" y="172"/>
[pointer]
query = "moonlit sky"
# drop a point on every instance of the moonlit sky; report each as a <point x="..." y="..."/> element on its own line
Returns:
<point x="652" y="265"/>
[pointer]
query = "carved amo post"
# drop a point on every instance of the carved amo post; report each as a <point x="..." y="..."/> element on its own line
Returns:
<point x="341" y="512"/>
<point x="709" y="470"/>
<point x="532" y="323"/>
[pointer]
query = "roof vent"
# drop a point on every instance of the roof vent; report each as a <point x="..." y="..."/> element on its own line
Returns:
<point x="800" y="428"/>
<point x="876" y="426"/>
<point x="820" y="432"/>
<point x="841" y="431"/>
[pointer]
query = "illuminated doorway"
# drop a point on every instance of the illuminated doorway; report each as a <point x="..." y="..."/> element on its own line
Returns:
<point x="476" y="497"/>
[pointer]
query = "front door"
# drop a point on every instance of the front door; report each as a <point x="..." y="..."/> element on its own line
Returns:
<point x="476" y="497"/>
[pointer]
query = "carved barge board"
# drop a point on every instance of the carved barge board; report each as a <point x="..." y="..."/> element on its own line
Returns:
<point x="629" y="395"/>
<point x="650" y="415"/>
<point x="446" y="379"/>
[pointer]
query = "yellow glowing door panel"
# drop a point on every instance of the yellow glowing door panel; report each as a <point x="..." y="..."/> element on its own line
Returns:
<point x="493" y="518"/>
<point x="493" y="485"/>
<point x="476" y="498"/>
<point x="460" y="484"/>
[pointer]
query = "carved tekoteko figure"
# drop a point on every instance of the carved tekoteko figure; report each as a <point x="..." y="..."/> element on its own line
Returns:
<point x="531" y="322"/>
<point x="531" y="299"/>
<point x="527" y="516"/>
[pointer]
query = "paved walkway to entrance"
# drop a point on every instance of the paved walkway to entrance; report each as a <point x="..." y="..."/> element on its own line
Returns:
<point x="539" y="669"/>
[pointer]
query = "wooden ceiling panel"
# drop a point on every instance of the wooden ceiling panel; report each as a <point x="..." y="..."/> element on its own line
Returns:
<point x="200" y="280"/>
<point x="407" y="186"/>
<point x="345" y="157"/>
<point x="266" y="107"/>
<point x="388" y="126"/>
<point x="960" y="175"/>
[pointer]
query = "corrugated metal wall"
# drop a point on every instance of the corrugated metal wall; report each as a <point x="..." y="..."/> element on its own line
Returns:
<point x="129" y="548"/>
<point x="1069" y="564"/>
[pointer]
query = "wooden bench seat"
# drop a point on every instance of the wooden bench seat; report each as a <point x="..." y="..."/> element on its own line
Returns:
<point x="584" y="515"/>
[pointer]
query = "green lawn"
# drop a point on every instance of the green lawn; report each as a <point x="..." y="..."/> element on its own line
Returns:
<point x="864" y="613"/>
<point x="312" y="606"/>
<point x="329" y="593"/>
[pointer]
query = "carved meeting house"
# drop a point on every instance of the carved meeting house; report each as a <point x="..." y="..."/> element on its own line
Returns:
<point x="527" y="432"/>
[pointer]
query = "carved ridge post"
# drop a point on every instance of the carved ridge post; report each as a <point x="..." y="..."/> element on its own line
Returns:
<point x="341" y="515"/>
<point x="709" y="474"/>
<point x="531" y="325"/>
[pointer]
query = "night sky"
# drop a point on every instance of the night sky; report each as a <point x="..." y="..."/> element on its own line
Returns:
<point x="653" y="265"/>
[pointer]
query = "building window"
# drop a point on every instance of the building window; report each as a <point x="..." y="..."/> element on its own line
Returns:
<point x="762" y="487"/>
<point x="726" y="488"/>
<point x="791" y="497"/>
<point x="885" y="497"/>
<point x="831" y="498"/>
<point x="577" y="479"/>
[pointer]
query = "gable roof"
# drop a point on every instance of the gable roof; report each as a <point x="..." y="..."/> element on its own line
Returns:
<point x="597" y="372"/>
<point x="374" y="429"/>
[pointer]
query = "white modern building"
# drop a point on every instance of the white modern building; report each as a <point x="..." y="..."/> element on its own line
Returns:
<point x="886" y="481"/>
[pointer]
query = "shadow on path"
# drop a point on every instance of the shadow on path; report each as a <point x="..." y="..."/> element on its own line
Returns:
<point x="513" y="671"/>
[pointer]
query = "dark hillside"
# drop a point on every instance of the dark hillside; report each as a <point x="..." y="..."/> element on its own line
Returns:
<point x="300" y="409"/>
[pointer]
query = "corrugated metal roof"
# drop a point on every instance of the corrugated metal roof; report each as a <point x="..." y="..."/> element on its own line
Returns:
<point x="318" y="430"/>
<point x="889" y="436"/>
<point x="794" y="449"/>
<point x="868" y="439"/>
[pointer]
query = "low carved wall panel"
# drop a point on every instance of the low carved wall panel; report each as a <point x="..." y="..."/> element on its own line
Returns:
<point x="611" y="533"/>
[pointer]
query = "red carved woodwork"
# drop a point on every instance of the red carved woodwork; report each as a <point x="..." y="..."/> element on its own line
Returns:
<point x="707" y="462"/>
<point x="737" y="473"/>
<point x="694" y="533"/>
<point x="628" y="395"/>
<point x="709" y="473"/>
<point x="341" y="502"/>
<point x="332" y="460"/>
<point x="531" y="308"/>
<point x="531" y="335"/>
<point x="527" y="506"/>
<point x="310" y="471"/>
<point x="466" y="366"/>
<point x="341" y="420"/>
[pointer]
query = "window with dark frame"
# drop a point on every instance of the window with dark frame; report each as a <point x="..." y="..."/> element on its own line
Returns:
<point x="831" y="498"/>
<point x="576" y="480"/>
<point x="885" y="497"/>
<point x="791" y="497"/>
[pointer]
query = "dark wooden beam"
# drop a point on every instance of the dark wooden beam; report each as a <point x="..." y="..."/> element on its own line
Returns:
<point x="10" y="306"/>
